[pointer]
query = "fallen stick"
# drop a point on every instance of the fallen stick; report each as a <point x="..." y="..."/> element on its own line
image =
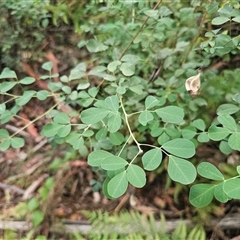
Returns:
<point x="229" y="222"/>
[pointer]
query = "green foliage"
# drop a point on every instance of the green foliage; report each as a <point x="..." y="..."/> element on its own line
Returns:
<point x="133" y="225"/>
<point x="127" y="126"/>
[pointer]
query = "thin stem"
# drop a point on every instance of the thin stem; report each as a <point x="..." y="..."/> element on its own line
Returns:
<point x="128" y="126"/>
<point x="136" y="34"/>
<point x="36" y="119"/>
<point x="124" y="145"/>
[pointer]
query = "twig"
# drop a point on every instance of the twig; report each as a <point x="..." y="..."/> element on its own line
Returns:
<point x="12" y="188"/>
<point x="15" y="129"/>
<point x="136" y="34"/>
<point x="29" y="171"/>
<point x="231" y="222"/>
<point x="28" y="192"/>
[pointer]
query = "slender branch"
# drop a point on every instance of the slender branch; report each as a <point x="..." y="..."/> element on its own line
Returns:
<point x="36" y="119"/>
<point x="128" y="126"/>
<point x="140" y="29"/>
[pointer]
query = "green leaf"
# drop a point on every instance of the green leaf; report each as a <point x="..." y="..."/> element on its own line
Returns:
<point x="105" y="186"/>
<point x="50" y="129"/>
<point x="25" y="98"/>
<point x="6" y="86"/>
<point x="234" y="141"/>
<point x="73" y="137"/>
<point x="201" y="194"/>
<point x="47" y="66"/>
<point x="37" y="217"/>
<point x="42" y="94"/>
<point x="172" y="132"/>
<point x="114" y="122"/>
<point x="181" y="170"/>
<point x="127" y="69"/>
<point x="78" y="143"/>
<point x="131" y="58"/>
<point x="93" y="115"/>
<point x="163" y="138"/>
<point x="145" y="117"/>
<point x="7" y="73"/>
<point x="2" y="108"/>
<point x="66" y="89"/>
<point x="189" y="132"/>
<point x="180" y="147"/>
<point x="116" y="138"/>
<point x="121" y="90"/>
<point x="112" y="103"/>
<point x="232" y="188"/>
<point x="77" y="74"/>
<point x="4" y="133"/>
<point x="17" y="142"/>
<point x="227" y="121"/>
<point x="152" y="14"/>
<point x="27" y="80"/>
<point x="217" y="133"/>
<point x="219" y="193"/>
<point x="209" y="171"/>
<point x="112" y="66"/>
<point x="220" y="20"/>
<point x="101" y="134"/>
<point x="88" y="133"/>
<point x="33" y="204"/>
<point x="117" y="186"/>
<point x="238" y="169"/>
<point x="113" y="163"/>
<point x="152" y="159"/>
<point x="93" y="91"/>
<point x="94" y="46"/>
<point x="236" y="97"/>
<point x="6" y="116"/>
<point x="203" y="137"/>
<point x="96" y="157"/>
<point x="136" y="89"/>
<point x="109" y="77"/>
<point x="225" y="148"/>
<point x="236" y="19"/>
<point x="61" y="118"/>
<point x="5" y="144"/>
<point x="227" y="109"/>
<point x="136" y="176"/>
<point x="64" y="130"/>
<point x="151" y="102"/>
<point x="199" y="124"/>
<point x="171" y="114"/>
